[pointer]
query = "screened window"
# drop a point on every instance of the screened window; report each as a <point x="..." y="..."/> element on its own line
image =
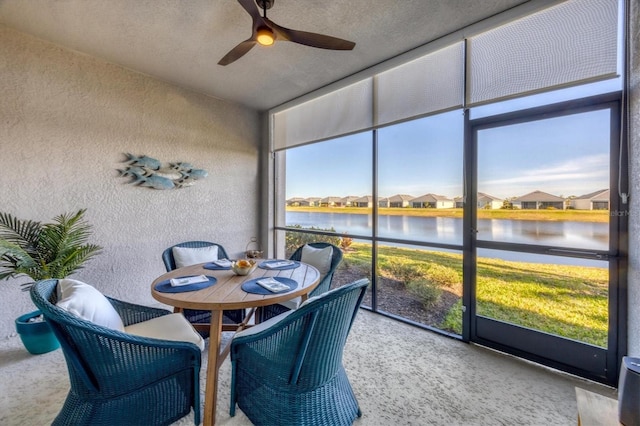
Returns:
<point x="389" y="170"/>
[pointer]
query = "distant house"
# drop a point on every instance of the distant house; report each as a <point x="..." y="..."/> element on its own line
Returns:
<point x="399" y="200"/>
<point x="330" y="202"/>
<point x="432" y="201"/>
<point x="348" y="200"/>
<point x="295" y="201"/>
<point x="486" y="201"/>
<point x="366" y="201"/>
<point x="538" y="200"/>
<point x="310" y="202"/>
<point x="598" y="200"/>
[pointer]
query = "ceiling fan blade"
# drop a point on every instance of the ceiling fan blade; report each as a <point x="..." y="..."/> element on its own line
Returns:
<point x="237" y="52"/>
<point x="310" y="39"/>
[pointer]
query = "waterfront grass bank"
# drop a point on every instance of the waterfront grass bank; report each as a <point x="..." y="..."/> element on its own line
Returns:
<point x="599" y="216"/>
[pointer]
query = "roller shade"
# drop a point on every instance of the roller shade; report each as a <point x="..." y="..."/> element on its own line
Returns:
<point x="570" y="43"/>
<point x="344" y="111"/>
<point x="434" y="82"/>
<point x="567" y="44"/>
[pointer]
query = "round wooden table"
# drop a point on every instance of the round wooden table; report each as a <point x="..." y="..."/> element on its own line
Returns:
<point x="227" y="294"/>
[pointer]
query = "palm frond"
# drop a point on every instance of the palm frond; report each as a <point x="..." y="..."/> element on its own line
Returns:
<point x="67" y="231"/>
<point x="14" y="260"/>
<point x="73" y="259"/>
<point x="24" y="233"/>
<point x="52" y="250"/>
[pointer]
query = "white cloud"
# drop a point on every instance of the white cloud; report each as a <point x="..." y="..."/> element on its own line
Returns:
<point x="576" y="176"/>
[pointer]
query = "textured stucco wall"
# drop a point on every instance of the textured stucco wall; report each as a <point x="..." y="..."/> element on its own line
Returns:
<point x="68" y="118"/>
<point x="634" y="183"/>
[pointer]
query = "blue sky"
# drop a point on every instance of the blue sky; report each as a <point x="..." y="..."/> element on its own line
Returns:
<point x="563" y="156"/>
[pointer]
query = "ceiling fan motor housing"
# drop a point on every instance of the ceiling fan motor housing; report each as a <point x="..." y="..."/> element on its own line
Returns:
<point x="265" y="4"/>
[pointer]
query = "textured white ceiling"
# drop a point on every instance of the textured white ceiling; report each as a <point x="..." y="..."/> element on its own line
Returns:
<point x="181" y="41"/>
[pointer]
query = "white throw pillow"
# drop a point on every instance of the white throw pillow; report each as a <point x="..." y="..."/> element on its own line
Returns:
<point x="174" y="327"/>
<point x="319" y="258"/>
<point x="84" y="301"/>
<point x="186" y="256"/>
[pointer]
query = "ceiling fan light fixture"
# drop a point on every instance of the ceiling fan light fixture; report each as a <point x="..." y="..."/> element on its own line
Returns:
<point x="265" y="33"/>
<point x="265" y="36"/>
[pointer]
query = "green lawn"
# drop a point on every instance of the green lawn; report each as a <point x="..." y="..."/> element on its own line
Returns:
<point x="569" y="301"/>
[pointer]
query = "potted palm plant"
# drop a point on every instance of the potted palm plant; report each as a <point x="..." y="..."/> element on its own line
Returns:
<point x="41" y="251"/>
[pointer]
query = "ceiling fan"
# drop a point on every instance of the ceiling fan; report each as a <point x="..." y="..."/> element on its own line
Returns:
<point x="266" y="32"/>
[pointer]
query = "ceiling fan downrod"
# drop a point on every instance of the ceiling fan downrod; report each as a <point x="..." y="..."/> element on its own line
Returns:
<point x="264" y="5"/>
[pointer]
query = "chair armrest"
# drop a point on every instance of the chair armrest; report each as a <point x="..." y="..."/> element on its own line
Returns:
<point x="323" y="286"/>
<point x="130" y="313"/>
<point x="119" y="362"/>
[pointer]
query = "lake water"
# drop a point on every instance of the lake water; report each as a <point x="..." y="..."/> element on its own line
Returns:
<point x="580" y="235"/>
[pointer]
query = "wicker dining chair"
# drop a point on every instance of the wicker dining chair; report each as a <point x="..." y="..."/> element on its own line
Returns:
<point x="119" y="378"/>
<point x="271" y="311"/>
<point x="288" y="370"/>
<point x="198" y="316"/>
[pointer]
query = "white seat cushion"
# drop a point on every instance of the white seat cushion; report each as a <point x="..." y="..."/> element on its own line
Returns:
<point x="291" y="304"/>
<point x="84" y="301"/>
<point x="186" y="256"/>
<point x="318" y="258"/>
<point x="173" y="327"/>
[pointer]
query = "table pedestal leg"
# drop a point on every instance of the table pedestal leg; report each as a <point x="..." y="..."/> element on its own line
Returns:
<point x="211" y="389"/>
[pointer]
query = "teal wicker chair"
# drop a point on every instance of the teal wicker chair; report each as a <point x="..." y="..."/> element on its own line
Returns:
<point x="272" y="310"/>
<point x="197" y="316"/>
<point x="119" y="378"/>
<point x="288" y="370"/>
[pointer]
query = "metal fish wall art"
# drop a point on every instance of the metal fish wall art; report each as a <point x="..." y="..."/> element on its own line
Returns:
<point x="149" y="172"/>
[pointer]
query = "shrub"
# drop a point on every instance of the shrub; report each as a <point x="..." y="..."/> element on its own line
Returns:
<point x="453" y="320"/>
<point x="293" y="240"/>
<point x="426" y="290"/>
<point x="442" y="275"/>
<point x="403" y="271"/>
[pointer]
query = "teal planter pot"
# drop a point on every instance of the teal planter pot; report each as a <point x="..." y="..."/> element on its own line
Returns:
<point x="37" y="336"/>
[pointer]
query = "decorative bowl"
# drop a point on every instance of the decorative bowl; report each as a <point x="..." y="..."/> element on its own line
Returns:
<point x="253" y="254"/>
<point x="243" y="266"/>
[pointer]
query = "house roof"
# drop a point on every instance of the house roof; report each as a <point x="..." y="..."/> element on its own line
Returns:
<point x="482" y="196"/>
<point x="539" y="196"/>
<point x="400" y="197"/>
<point x="330" y="200"/>
<point x="349" y="198"/>
<point x="600" y="195"/>
<point x="430" y="198"/>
